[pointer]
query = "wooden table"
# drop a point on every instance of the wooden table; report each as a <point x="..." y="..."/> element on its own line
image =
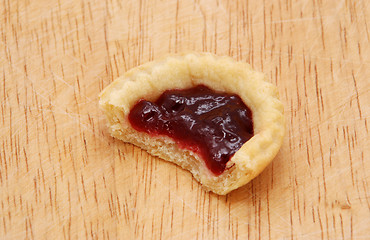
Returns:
<point x="63" y="177"/>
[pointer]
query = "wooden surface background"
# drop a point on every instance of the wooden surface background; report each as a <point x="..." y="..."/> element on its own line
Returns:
<point x="63" y="177"/>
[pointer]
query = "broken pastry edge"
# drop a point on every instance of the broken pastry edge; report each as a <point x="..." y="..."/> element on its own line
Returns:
<point x="150" y="80"/>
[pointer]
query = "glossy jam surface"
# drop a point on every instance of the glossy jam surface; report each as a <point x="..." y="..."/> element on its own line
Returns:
<point x="212" y="124"/>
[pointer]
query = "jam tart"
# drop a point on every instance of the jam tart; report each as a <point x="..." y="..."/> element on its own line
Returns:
<point x="211" y="115"/>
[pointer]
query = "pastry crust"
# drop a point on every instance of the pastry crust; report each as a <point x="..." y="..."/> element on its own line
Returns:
<point x="150" y="80"/>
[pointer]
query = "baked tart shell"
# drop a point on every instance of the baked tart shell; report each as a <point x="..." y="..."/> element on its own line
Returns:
<point x="223" y="74"/>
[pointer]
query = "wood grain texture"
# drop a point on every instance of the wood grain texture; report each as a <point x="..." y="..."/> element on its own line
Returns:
<point x="63" y="177"/>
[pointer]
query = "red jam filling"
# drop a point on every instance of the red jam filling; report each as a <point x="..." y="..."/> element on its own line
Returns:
<point x="212" y="124"/>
